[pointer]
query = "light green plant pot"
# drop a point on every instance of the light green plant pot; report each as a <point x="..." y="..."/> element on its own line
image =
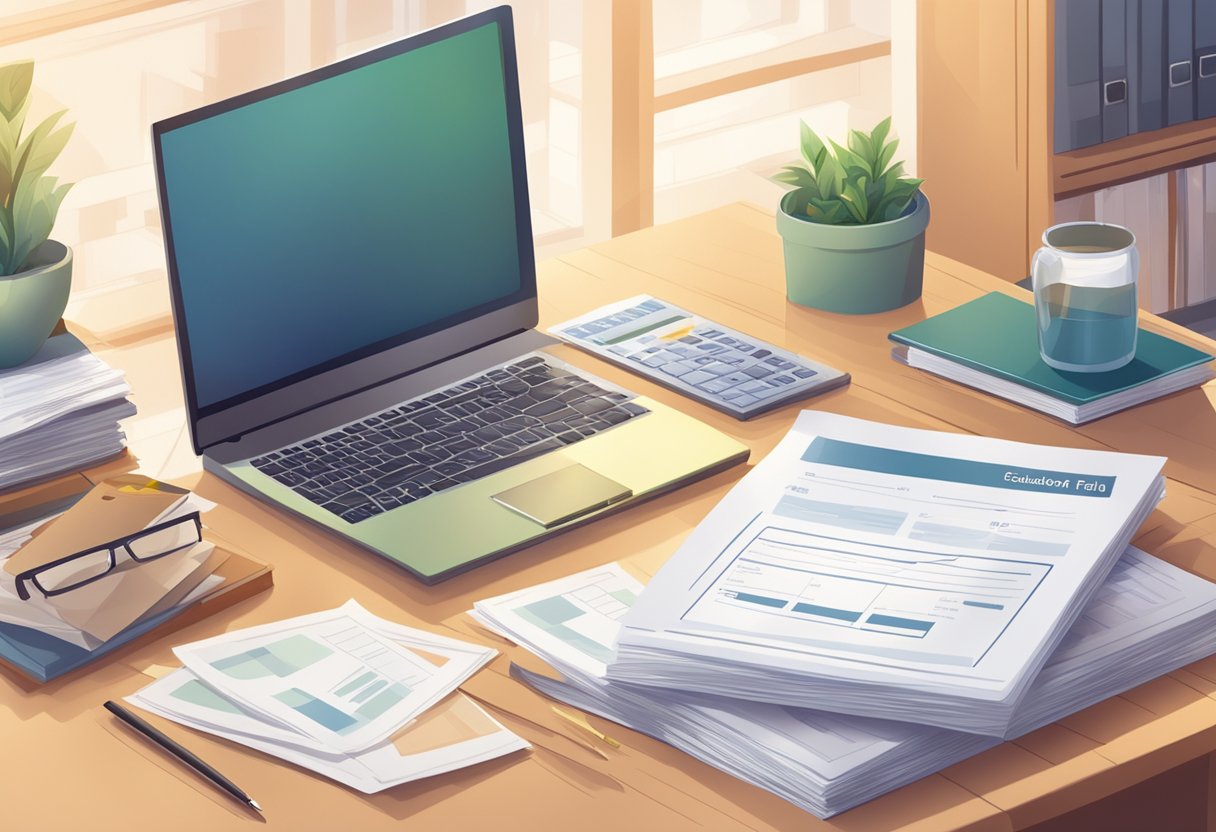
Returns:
<point x="855" y="269"/>
<point x="32" y="301"/>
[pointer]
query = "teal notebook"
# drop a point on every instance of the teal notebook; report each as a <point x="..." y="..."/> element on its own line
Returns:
<point x="996" y="334"/>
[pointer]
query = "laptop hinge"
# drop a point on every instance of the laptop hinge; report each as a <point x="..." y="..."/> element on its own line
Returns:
<point x="495" y="351"/>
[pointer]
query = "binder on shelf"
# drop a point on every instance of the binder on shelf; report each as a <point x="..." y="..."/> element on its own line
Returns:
<point x="1078" y="121"/>
<point x="1147" y="43"/>
<point x="1114" y="28"/>
<point x="1179" y="76"/>
<point x="1205" y="59"/>
<point x="1131" y="45"/>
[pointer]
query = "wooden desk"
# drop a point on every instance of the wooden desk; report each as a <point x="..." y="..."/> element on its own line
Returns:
<point x="65" y="764"/>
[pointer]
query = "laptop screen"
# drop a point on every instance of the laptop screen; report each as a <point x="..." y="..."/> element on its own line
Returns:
<point x="342" y="213"/>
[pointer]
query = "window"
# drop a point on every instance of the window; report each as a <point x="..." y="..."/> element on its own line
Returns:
<point x="720" y="87"/>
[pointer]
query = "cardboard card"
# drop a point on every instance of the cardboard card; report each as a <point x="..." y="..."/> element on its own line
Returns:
<point x="110" y="510"/>
<point x="205" y="569"/>
<point x="108" y="606"/>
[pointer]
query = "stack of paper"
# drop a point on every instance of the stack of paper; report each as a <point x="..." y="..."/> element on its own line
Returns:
<point x="96" y="612"/>
<point x="346" y="694"/>
<point x="1147" y="619"/>
<point x="60" y="412"/>
<point x="888" y="572"/>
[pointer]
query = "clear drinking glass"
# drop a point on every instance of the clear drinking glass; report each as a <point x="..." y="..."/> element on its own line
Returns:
<point x="1084" y="280"/>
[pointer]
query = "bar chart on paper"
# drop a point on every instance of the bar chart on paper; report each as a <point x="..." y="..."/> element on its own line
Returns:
<point x="361" y="696"/>
<point x="581" y="617"/>
<point x="331" y="676"/>
<point x="576" y="619"/>
<point x="799" y="578"/>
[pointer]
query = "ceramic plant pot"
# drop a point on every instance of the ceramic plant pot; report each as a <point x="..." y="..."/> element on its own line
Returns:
<point x="855" y="269"/>
<point x="32" y="301"/>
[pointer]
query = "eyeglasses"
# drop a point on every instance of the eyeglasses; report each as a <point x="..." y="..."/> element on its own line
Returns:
<point x="84" y="567"/>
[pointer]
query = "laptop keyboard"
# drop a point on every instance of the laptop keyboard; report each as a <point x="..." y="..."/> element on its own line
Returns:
<point x="426" y="445"/>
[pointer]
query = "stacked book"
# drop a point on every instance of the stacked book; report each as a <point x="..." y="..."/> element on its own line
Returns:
<point x="126" y="559"/>
<point x="361" y="700"/>
<point x="991" y="344"/>
<point x="61" y="411"/>
<point x="873" y="603"/>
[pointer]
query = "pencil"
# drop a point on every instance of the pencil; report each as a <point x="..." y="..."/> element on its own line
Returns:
<point x="181" y="753"/>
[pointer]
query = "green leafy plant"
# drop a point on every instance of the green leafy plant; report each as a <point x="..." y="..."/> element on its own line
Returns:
<point x="854" y="185"/>
<point x="29" y="199"/>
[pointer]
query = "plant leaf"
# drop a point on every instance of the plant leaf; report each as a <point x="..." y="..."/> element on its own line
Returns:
<point x="857" y="184"/>
<point x="828" y="212"/>
<point x="893" y="174"/>
<point x="813" y="149"/>
<point x="848" y="159"/>
<point x="40" y="148"/>
<point x="34" y="208"/>
<point x="8" y="155"/>
<point x="795" y="175"/>
<point x="884" y="158"/>
<point x="15" y="82"/>
<point x="830" y="178"/>
<point x="860" y="144"/>
<point x="6" y="246"/>
<point x="854" y="196"/>
<point x="879" y="134"/>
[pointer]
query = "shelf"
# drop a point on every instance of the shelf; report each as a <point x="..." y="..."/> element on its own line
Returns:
<point x="788" y="60"/>
<point x="1123" y="160"/>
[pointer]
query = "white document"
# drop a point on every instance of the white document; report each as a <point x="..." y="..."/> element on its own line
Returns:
<point x="41" y="391"/>
<point x="574" y="621"/>
<point x="452" y="734"/>
<point x="905" y="559"/>
<point x="336" y="677"/>
<point x="1147" y="619"/>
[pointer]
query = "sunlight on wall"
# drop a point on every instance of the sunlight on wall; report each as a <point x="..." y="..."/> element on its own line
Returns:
<point x="723" y="150"/>
<point x="119" y="76"/>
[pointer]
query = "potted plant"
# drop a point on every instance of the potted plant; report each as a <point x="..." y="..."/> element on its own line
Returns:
<point x="853" y="226"/>
<point x="35" y="271"/>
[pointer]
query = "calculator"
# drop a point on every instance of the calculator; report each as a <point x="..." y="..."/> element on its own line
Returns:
<point x="714" y="364"/>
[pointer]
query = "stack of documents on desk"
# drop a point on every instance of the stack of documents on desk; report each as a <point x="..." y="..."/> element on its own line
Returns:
<point x="1147" y="619"/>
<point x="991" y="344"/>
<point x="86" y="595"/>
<point x="98" y="611"/>
<point x="883" y="571"/>
<point x="353" y="697"/>
<point x="60" y="412"/>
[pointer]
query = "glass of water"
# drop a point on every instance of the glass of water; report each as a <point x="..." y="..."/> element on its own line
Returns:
<point x="1084" y="281"/>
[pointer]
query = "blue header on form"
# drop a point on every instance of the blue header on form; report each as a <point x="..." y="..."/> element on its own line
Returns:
<point x="907" y="464"/>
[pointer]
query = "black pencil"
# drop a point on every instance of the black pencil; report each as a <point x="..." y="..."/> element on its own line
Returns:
<point x="181" y="753"/>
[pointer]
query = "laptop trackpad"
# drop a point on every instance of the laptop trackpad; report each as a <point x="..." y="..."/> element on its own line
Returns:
<point x="562" y="495"/>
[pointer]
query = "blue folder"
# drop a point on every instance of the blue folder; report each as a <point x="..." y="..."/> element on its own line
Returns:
<point x="44" y="657"/>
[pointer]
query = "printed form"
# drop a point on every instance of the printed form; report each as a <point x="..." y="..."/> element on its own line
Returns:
<point x="860" y="550"/>
<point x="333" y="676"/>
<point x="1148" y="618"/>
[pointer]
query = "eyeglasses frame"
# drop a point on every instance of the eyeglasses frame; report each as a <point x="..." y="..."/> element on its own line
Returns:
<point x="124" y="542"/>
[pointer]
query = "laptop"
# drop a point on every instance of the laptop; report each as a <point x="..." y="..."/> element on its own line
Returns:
<point x="354" y="292"/>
